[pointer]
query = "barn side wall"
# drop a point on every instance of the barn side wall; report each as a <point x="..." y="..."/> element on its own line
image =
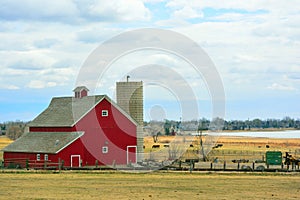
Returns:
<point x="19" y="158"/>
<point x="114" y="131"/>
<point x="76" y="148"/>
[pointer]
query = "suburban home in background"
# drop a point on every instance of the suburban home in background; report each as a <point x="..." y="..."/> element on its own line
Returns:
<point x="77" y="131"/>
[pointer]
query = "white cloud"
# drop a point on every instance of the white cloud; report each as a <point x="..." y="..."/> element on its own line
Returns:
<point x="172" y="23"/>
<point x="255" y="45"/>
<point x="74" y="12"/>
<point x="254" y="5"/>
<point x="154" y="1"/>
<point x="37" y="10"/>
<point x="38" y="84"/>
<point x="277" y="86"/>
<point x="187" y="13"/>
<point x="9" y="87"/>
<point x="94" y="33"/>
<point x="45" y="43"/>
<point x="236" y="48"/>
<point x="132" y="10"/>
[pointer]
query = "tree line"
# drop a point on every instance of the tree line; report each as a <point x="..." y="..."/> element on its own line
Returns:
<point x="170" y="127"/>
<point x="285" y="123"/>
<point x="15" y="129"/>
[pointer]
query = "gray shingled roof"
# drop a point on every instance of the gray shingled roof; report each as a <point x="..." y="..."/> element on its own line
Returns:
<point x="65" y="111"/>
<point x="79" y="88"/>
<point x="43" y="142"/>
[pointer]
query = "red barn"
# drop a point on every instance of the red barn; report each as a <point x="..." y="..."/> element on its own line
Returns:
<point x="81" y="131"/>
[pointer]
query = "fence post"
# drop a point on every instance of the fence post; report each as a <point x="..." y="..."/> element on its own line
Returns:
<point x="211" y="165"/>
<point x="253" y="166"/>
<point x="59" y="166"/>
<point x="191" y="166"/>
<point x="27" y="164"/>
<point x="238" y="166"/>
<point x="224" y="166"/>
<point x="179" y="164"/>
<point x="45" y="164"/>
<point x="293" y="166"/>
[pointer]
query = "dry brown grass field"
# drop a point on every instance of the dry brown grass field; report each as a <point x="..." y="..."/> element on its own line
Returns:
<point x="233" y="147"/>
<point x="156" y="185"/>
<point x="251" y="148"/>
<point x="23" y="184"/>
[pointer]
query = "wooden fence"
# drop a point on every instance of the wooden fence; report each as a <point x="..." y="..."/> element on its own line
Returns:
<point x="35" y="164"/>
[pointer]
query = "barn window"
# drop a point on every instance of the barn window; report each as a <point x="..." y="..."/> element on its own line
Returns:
<point x="105" y="149"/>
<point x="46" y="157"/>
<point x="104" y="113"/>
<point x="38" y="157"/>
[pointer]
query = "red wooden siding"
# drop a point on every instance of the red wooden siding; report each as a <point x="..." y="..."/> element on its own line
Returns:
<point x="115" y="131"/>
<point x="83" y="93"/>
<point x="76" y="148"/>
<point x="52" y="129"/>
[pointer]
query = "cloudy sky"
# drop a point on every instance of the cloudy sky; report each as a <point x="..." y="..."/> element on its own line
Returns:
<point x="254" y="45"/>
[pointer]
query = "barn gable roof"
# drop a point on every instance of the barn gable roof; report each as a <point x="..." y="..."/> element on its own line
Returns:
<point x="67" y="111"/>
<point x="43" y="142"/>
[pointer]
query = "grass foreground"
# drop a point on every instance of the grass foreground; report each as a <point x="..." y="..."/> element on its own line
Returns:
<point x="155" y="185"/>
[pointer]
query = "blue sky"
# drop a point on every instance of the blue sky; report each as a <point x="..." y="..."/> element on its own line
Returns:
<point x="253" y="44"/>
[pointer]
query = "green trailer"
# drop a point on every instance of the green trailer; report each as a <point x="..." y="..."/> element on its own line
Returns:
<point x="273" y="157"/>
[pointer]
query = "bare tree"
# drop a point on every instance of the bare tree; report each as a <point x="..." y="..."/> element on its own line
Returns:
<point x="14" y="132"/>
<point x="176" y="150"/>
<point x="154" y="129"/>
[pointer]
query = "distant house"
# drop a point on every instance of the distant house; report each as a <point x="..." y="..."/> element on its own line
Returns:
<point x="81" y="131"/>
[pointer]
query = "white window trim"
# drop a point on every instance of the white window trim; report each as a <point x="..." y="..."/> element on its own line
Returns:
<point x="105" y="149"/>
<point x="75" y="156"/>
<point x="128" y="147"/>
<point x="77" y="94"/>
<point x="38" y="157"/>
<point x="46" y="157"/>
<point x="104" y="113"/>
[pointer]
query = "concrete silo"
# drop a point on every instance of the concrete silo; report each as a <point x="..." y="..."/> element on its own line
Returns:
<point x="130" y="99"/>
